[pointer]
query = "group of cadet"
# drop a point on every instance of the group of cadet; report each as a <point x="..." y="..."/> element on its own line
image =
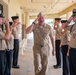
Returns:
<point x="63" y="41"/>
<point x="9" y="44"/>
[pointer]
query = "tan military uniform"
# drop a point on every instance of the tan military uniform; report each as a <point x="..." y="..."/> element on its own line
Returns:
<point x="41" y="47"/>
<point x="10" y="43"/>
<point x="57" y="33"/>
<point x="2" y="42"/>
<point x="65" y="37"/>
<point x="73" y="36"/>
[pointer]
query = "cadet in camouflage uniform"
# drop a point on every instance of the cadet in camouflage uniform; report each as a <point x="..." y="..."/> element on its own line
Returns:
<point x="41" y="48"/>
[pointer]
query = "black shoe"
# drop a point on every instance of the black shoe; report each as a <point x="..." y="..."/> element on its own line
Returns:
<point x="16" y="66"/>
<point x="56" y="66"/>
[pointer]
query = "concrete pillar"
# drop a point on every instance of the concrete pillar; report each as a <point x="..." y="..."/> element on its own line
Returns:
<point x="27" y="19"/>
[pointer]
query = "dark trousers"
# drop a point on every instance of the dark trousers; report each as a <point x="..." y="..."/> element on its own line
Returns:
<point x="2" y="62"/>
<point x="65" y="60"/>
<point x="72" y="61"/>
<point x="9" y="56"/>
<point x="58" y="53"/>
<point x="16" y="52"/>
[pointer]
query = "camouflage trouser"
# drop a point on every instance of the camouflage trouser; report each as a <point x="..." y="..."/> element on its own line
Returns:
<point x="41" y="53"/>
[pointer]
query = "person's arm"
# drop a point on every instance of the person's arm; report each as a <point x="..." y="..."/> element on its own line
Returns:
<point x="68" y="37"/>
<point x="15" y="25"/>
<point x="53" y="45"/>
<point x="30" y="29"/>
<point x="68" y="21"/>
<point x="52" y="38"/>
<point x="6" y="36"/>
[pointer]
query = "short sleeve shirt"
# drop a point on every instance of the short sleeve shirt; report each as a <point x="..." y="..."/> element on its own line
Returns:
<point x="65" y="37"/>
<point x="57" y="33"/>
<point x="15" y="32"/>
<point x="41" y="34"/>
<point x="10" y="43"/>
<point x="2" y="42"/>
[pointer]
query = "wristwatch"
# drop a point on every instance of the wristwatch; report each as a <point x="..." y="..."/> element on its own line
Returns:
<point x="33" y="22"/>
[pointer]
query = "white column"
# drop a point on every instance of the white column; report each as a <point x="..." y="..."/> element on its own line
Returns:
<point x="27" y="19"/>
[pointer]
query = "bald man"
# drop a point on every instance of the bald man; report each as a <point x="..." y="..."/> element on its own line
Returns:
<point x="41" y="48"/>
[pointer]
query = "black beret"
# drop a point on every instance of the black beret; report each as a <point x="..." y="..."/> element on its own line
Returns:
<point x="14" y="17"/>
<point x="1" y="15"/>
<point x="63" y="21"/>
<point x="74" y="12"/>
<point x="10" y="23"/>
<point x="58" y="19"/>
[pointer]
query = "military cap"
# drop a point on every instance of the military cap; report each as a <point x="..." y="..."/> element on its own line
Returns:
<point x="63" y="21"/>
<point x="74" y="12"/>
<point x="10" y="23"/>
<point x="58" y="19"/>
<point x="40" y="14"/>
<point x="14" y="17"/>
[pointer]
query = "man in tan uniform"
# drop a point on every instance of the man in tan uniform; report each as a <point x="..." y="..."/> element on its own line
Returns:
<point x="41" y="48"/>
<point x="57" y="42"/>
<point x="3" y="37"/>
<point x="72" y="51"/>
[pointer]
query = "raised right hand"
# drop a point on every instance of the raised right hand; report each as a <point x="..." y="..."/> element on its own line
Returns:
<point x="69" y="20"/>
<point x="7" y="22"/>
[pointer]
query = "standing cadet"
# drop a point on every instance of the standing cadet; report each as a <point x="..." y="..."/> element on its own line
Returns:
<point x="41" y="47"/>
<point x="9" y="52"/>
<point x="3" y="37"/>
<point x="65" y="38"/>
<point x="15" y="32"/>
<point x="57" y="42"/>
<point x="72" y="51"/>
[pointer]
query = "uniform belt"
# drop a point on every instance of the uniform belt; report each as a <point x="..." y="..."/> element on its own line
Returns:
<point x="40" y="45"/>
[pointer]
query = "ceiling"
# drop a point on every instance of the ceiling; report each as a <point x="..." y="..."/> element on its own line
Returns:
<point x="45" y="6"/>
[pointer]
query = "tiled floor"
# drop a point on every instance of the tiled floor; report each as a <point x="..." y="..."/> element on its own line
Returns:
<point x="26" y="63"/>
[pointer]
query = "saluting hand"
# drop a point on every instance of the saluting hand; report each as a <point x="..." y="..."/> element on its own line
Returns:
<point x="7" y="22"/>
<point x="11" y="29"/>
<point x="69" y="20"/>
<point x="17" y="23"/>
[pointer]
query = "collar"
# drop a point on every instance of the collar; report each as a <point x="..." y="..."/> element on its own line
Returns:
<point x="42" y="25"/>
